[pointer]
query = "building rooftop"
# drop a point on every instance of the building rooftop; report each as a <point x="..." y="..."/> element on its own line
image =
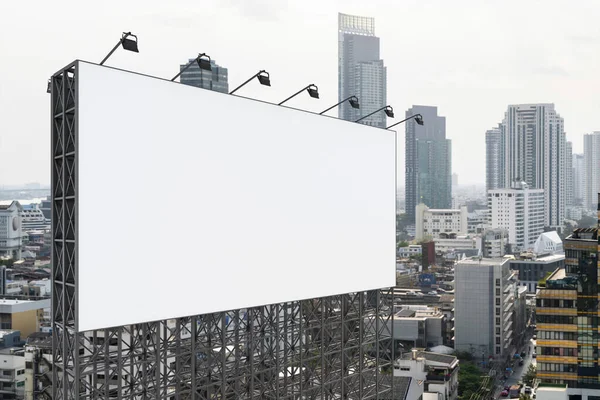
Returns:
<point x="558" y="274"/>
<point x="483" y="261"/>
<point x="433" y="357"/>
<point x="11" y="306"/>
<point x="543" y="259"/>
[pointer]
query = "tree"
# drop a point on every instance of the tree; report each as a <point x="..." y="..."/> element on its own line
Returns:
<point x="530" y="375"/>
<point x="402" y="243"/>
<point x="469" y="379"/>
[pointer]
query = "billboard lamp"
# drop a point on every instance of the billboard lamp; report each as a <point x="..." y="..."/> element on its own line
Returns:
<point x="128" y="44"/>
<point x="353" y="100"/>
<point x="203" y="63"/>
<point x="263" y="78"/>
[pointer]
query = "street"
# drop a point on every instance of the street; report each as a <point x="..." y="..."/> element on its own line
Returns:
<point x="518" y="371"/>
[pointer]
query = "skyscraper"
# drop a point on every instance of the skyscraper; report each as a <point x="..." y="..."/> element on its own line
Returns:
<point x="213" y="80"/>
<point x="494" y="157"/>
<point x="534" y="144"/>
<point x="578" y="179"/>
<point x="361" y="71"/>
<point x="569" y="198"/>
<point x="428" y="161"/>
<point x="591" y="158"/>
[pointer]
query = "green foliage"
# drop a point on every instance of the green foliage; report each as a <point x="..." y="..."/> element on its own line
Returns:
<point x="542" y="282"/>
<point x="8" y="263"/>
<point x="530" y="375"/>
<point x="469" y="379"/>
<point x="402" y="243"/>
<point x="463" y="356"/>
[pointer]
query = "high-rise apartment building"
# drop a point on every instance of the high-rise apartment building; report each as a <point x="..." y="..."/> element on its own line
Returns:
<point x="569" y="198"/>
<point x="216" y="79"/>
<point x="533" y="140"/>
<point x="428" y="178"/>
<point x="567" y="319"/>
<point x="519" y="210"/>
<point x="361" y="70"/>
<point x="578" y="179"/>
<point x="591" y="158"/>
<point x="494" y="157"/>
<point x="483" y="307"/>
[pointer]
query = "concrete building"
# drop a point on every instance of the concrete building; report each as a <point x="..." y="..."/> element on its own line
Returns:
<point x="362" y="72"/>
<point x="484" y="299"/>
<point x="520" y="211"/>
<point x="477" y="221"/>
<point x="428" y="161"/>
<point x="38" y="366"/>
<point x="494" y="159"/>
<point x="430" y="223"/>
<point x="578" y="179"/>
<point x="591" y="159"/>
<point x="410" y="250"/>
<point x="419" y="326"/>
<point x="430" y="375"/>
<point x="452" y="242"/>
<point x="216" y="79"/>
<point x="12" y="373"/>
<point x="22" y="315"/>
<point x="534" y="150"/>
<point x="548" y="243"/>
<point x="10" y="229"/>
<point x="566" y="317"/>
<point x="532" y="269"/>
<point x="495" y="242"/>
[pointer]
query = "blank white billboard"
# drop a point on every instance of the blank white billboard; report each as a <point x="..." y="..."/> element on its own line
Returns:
<point x="192" y="202"/>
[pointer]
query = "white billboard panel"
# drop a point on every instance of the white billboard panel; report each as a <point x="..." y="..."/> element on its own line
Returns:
<point x="192" y="202"/>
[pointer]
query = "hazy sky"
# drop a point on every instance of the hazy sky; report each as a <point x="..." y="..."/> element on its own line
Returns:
<point x="470" y="58"/>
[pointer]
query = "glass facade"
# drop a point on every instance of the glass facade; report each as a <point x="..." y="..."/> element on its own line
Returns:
<point x="361" y="71"/>
<point x="212" y="80"/>
<point x="567" y="316"/>
<point x="428" y="177"/>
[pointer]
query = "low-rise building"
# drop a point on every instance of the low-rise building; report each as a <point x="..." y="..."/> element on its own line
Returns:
<point x="38" y="366"/>
<point x="419" y="326"/>
<point x="449" y="242"/>
<point x="410" y="250"/>
<point x="22" y="315"/>
<point x="532" y="269"/>
<point x="12" y="373"/>
<point x="435" y="374"/>
<point x="431" y="222"/>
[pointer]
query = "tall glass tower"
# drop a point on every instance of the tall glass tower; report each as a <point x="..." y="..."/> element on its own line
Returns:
<point x="428" y="161"/>
<point x="212" y="80"/>
<point x="361" y="72"/>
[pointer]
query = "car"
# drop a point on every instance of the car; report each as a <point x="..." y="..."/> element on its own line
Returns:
<point x="432" y="293"/>
<point x="534" y="337"/>
<point x="527" y="390"/>
<point x="534" y="355"/>
<point x="504" y="393"/>
<point x="523" y="354"/>
<point x="507" y="387"/>
<point x="521" y="363"/>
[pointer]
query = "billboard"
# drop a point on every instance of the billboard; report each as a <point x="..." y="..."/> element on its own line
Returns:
<point x="191" y="201"/>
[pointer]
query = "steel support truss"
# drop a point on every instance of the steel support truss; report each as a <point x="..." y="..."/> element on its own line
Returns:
<point x="336" y="347"/>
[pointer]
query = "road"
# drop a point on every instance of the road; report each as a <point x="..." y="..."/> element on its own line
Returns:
<point x="518" y="372"/>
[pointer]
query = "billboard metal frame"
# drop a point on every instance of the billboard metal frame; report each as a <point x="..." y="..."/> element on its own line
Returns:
<point x="334" y="347"/>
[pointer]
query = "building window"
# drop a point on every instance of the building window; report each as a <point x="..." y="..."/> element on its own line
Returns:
<point x="497" y="301"/>
<point x="497" y="291"/>
<point x="497" y="282"/>
<point x="497" y="321"/>
<point x="497" y="311"/>
<point x="497" y="350"/>
<point x="497" y="340"/>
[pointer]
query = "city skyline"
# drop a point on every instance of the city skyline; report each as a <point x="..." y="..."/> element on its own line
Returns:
<point x="461" y="86"/>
